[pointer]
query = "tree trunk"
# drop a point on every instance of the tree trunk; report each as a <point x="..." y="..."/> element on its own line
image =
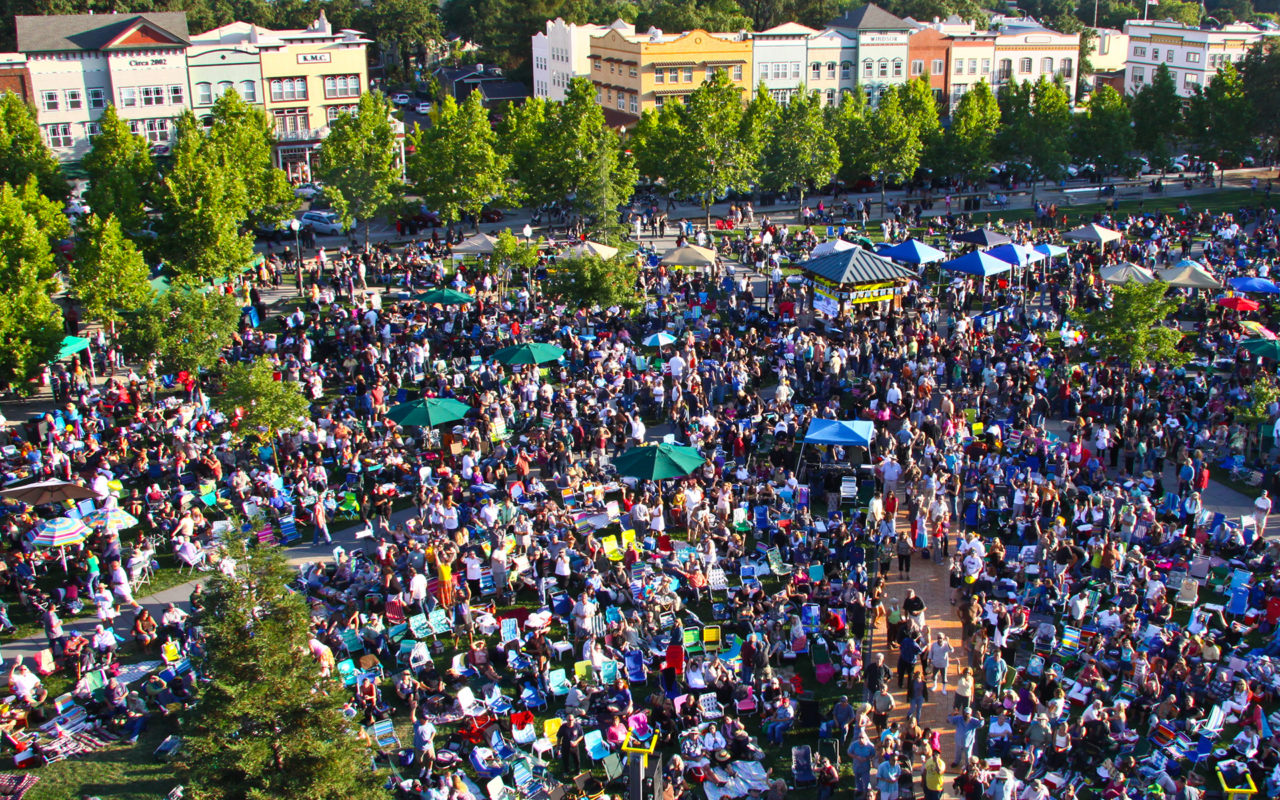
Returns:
<point x="800" y="208"/>
<point x="706" y="210"/>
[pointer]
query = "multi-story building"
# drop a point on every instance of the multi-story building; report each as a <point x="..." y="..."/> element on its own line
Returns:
<point x="15" y="77"/>
<point x="928" y="56"/>
<point x="637" y="72"/>
<point x="562" y="52"/>
<point x="881" y="42"/>
<point x="973" y="55"/>
<point x="833" y="57"/>
<point x="1025" y="51"/>
<point x="781" y="58"/>
<point x="224" y="59"/>
<point x="79" y="63"/>
<point x="1192" y="55"/>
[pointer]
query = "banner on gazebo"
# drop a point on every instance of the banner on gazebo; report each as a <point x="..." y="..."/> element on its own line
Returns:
<point x="825" y="303"/>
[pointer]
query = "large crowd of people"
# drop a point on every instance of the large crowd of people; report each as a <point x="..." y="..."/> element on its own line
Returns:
<point x="516" y="602"/>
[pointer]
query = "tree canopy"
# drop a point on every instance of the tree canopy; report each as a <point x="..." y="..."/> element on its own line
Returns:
<point x="1130" y="327"/>
<point x="359" y="162"/>
<point x="456" y="166"/>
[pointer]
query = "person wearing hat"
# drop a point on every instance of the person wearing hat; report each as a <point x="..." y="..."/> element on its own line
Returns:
<point x="935" y="771"/>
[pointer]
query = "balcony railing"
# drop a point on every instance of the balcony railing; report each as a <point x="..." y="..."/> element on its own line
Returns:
<point x="301" y="135"/>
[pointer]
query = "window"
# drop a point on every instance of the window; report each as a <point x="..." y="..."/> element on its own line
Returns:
<point x="611" y="68"/>
<point x="831" y="97"/>
<point x="153" y="95"/>
<point x="815" y="70"/>
<point x="292" y="122"/>
<point x="58" y="135"/>
<point x="917" y="67"/>
<point x="92" y="129"/>
<point x="973" y="66"/>
<point x="1138" y="74"/>
<point x="737" y="72"/>
<point x="764" y="69"/>
<point x="597" y="65"/>
<point x="779" y="71"/>
<point x="157" y="131"/>
<point x="1190" y="79"/>
<point x="1006" y="70"/>
<point x="1168" y="55"/>
<point x="1024" y="66"/>
<point x="1046" y="65"/>
<point x="1193" y="58"/>
<point x="48" y="101"/>
<point x="959" y="66"/>
<point x="897" y="68"/>
<point x="674" y="75"/>
<point x="688" y="74"/>
<point x="937" y="96"/>
<point x="882" y="69"/>
<point x="634" y="107"/>
<point x="75" y="100"/>
<point x="632" y="71"/>
<point x="658" y="101"/>
<point x="333" y="112"/>
<point x="845" y="69"/>
<point x="341" y="86"/>
<point x="831" y="70"/>
<point x="938" y="67"/>
<point x="1066" y="67"/>
<point x="867" y="69"/>
<point x="986" y="66"/>
<point x="97" y="98"/>
<point x="204" y="93"/>
<point x="1139" y="52"/>
<point x="224" y="87"/>
<point x="795" y="69"/>
<point x="711" y="72"/>
<point x="176" y="95"/>
<point x="249" y="91"/>
<point x="659" y="76"/>
<point x="1155" y="53"/>
<point x="286" y="89"/>
<point x="128" y="97"/>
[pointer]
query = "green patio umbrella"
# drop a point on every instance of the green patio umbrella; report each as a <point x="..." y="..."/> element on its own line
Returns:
<point x="656" y="462"/>
<point x="1267" y="348"/>
<point x="531" y="353"/>
<point x="445" y="297"/>
<point x="428" y="413"/>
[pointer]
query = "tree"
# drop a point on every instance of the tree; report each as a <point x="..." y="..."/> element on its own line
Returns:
<point x="522" y="139"/>
<point x="203" y="204"/>
<point x="1261" y="74"/>
<point x="606" y="187"/>
<point x="800" y="149"/>
<point x="1104" y="134"/>
<point x="1157" y="116"/>
<point x="401" y="28"/>
<point x="852" y="129"/>
<point x="594" y="282"/>
<point x="1084" y="60"/>
<point x="655" y="140"/>
<point x="122" y="174"/>
<point x="242" y="137"/>
<point x="894" y="146"/>
<point x="108" y="273"/>
<point x="1188" y="13"/>
<point x="712" y="158"/>
<point x="969" y="144"/>
<point x="456" y="167"/>
<point x="47" y="214"/>
<point x="920" y="110"/>
<point x="23" y="152"/>
<point x="1130" y="328"/>
<point x="30" y="323"/>
<point x="1220" y="118"/>
<point x="265" y="406"/>
<point x="686" y="15"/>
<point x="264" y="729"/>
<point x="185" y="329"/>
<point x="1035" y="128"/>
<point x="359" y="162"/>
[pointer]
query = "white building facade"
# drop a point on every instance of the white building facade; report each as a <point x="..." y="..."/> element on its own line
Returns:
<point x="560" y="53"/>
<point x="1192" y="55"/>
<point x="781" y="56"/>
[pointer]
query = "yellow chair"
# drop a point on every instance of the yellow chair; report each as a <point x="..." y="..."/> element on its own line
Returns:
<point x="583" y="672"/>
<point x="711" y="640"/>
<point x="611" y="549"/>
<point x="628" y="538"/>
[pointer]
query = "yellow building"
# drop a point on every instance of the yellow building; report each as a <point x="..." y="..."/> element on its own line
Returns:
<point x="309" y="76"/>
<point x="635" y="73"/>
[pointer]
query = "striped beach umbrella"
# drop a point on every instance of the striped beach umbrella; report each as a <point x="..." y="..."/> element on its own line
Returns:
<point x="118" y="517"/>
<point x="60" y="532"/>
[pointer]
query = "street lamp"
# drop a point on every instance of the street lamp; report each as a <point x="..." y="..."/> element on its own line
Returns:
<point x="296" y="227"/>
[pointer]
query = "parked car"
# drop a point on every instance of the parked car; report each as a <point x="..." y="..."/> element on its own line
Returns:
<point x="400" y="99"/>
<point x="325" y="223"/>
<point x="423" y="108"/>
<point x="307" y="191"/>
<point x="490" y="215"/>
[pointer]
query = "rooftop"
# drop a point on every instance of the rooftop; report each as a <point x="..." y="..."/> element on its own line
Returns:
<point x="870" y="17"/>
<point x="75" y="32"/>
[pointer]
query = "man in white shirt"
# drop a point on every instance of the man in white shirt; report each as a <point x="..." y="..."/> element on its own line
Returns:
<point x="1261" y="510"/>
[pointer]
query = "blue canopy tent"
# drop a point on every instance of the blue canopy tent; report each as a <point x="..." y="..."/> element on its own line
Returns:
<point x="912" y="251"/>
<point x="1050" y="250"/>
<point x="978" y="263"/>
<point x="1016" y="254"/>
<point x="846" y="433"/>
<point x="1252" y="284"/>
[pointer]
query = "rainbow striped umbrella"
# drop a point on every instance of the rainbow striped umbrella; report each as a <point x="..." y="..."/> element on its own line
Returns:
<point x="120" y="518"/>
<point x="60" y="532"/>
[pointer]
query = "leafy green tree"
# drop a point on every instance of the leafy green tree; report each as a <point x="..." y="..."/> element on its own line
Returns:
<point x="402" y="28"/>
<point x="712" y="159"/>
<point x="655" y="140"/>
<point x="456" y="166"/>
<point x="920" y="110"/>
<point x="895" y="148"/>
<point x="969" y="143"/>
<point x="203" y="205"/>
<point x="1130" y="328"/>
<point x="606" y="187"/>
<point x="1036" y="128"/>
<point x="108" y="273"/>
<point x="265" y="406"/>
<point x="122" y="173"/>
<point x="686" y="15"/>
<point x="801" y="148"/>
<point x="758" y="120"/>
<point x="850" y="123"/>
<point x="1084" y="60"/>
<point x="264" y="728"/>
<point x="1188" y="13"/>
<point x="1104" y="134"/>
<point x="522" y="139"/>
<point x="47" y="213"/>
<point x="1261" y="74"/>
<point x="594" y="282"/>
<point x="1220" y="118"/>
<point x="30" y="323"/>
<point x="359" y="162"/>
<point x="186" y="328"/>
<point x="23" y="152"/>
<point x="243" y="137"/>
<point x="1157" y="116"/>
